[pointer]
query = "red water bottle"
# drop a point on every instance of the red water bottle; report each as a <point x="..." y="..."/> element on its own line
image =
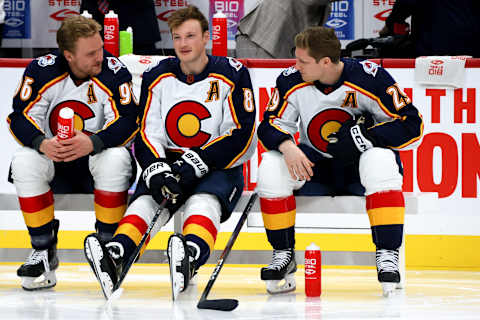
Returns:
<point x="219" y="34"/>
<point x="111" y="38"/>
<point x="313" y="271"/>
<point x="65" y="123"/>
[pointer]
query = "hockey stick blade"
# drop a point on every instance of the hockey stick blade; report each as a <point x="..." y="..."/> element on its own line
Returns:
<point x="218" y="304"/>
<point x="225" y="304"/>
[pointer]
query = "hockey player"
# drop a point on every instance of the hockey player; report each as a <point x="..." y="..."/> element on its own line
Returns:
<point x="197" y="129"/>
<point x="89" y="80"/>
<point x="352" y="118"/>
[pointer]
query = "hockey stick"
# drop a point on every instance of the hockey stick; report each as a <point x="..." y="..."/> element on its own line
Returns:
<point x="136" y="253"/>
<point x="225" y="304"/>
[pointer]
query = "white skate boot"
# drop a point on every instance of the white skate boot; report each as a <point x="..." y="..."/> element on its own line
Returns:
<point x="279" y="275"/>
<point x="183" y="263"/>
<point x="38" y="272"/>
<point x="387" y="269"/>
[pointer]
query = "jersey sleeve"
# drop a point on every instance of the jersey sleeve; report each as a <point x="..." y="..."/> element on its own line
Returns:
<point x="237" y="141"/>
<point x="120" y="111"/>
<point x="150" y="140"/>
<point x="30" y="107"/>
<point x="399" y="124"/>
<point x="281" y="115"/>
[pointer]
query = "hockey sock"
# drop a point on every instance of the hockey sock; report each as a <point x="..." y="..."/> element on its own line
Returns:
<point x="279" y="221"/>
<point x="38" y="213"/>
<point x="386" y="211"/>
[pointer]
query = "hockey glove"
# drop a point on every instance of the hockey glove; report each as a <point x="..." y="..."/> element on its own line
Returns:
<point x="190" y="167"/>
<point x="161" y="182"/>
<point x="348" y="143"/>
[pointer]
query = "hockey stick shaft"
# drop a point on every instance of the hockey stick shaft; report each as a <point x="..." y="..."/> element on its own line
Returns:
<point x="136" y="253"/>
<point x="228" y="247"/>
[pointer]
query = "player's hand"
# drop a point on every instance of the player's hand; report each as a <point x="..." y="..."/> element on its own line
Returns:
<point x="299" y="166"/>
<point x="51" y="148"/>
<point x="190" y="167"/>
<point x="161" y="182"/>
<point x="348" y="143"/>
<point x="76" y="147"/>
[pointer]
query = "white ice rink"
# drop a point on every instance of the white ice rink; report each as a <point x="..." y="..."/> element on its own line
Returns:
<point x="347" y="294"/>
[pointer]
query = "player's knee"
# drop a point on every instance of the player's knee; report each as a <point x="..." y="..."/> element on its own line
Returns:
<point x="203" y="204"/>
<point x="379" y="171"/>
<point x="274" y="180"/>
<point x="31" y="170"/>
<point x="111" y="169"/>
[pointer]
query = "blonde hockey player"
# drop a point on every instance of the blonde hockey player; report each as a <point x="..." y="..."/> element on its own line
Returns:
<point x="97" y="86"/>
<point x="352" y="118"/>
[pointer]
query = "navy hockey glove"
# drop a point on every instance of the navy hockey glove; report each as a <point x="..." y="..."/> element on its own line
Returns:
<point x="190" y="167"/>
<point x="161" y="182"/>
<point x="348" y="143"/>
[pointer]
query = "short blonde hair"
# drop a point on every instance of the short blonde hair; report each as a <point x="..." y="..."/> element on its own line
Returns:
<point x="319" y="42"/>
<point x="73" y="28"/>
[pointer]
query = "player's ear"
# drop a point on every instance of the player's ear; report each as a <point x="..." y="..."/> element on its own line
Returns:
<point x="68" y="55"/>
<point x="206" y="35"/>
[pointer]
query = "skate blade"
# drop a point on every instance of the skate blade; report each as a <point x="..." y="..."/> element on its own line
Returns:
<point x="46" y="281"/>
<point x="285" y="285"/>
<point x="388" y="288"/>
<point x="94" y="254"/>
<point x="177" y="280"/>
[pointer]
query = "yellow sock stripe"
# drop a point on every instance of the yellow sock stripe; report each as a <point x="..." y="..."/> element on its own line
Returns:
<point x="279" y="221"/>
<point x="200" y="232"/>
<point x="39" y="218"/>
<point x="130" y="231"/>
<point x="109" y="215"/>
<point x="386" y="215"/>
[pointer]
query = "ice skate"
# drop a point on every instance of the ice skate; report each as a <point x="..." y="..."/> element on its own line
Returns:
<point x="182" y="261"/>
<point x="387" y="269"/>
<point x="279" y="275"/>
<point x="38" y="272"/>
<point x="105" y="261"/>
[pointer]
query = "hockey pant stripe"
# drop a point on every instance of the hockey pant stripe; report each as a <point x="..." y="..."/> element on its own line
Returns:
<point x="38" y="210"/>
<point x="110" y="206"/>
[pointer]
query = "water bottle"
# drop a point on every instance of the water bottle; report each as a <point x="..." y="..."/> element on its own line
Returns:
<point x="65" y="123"/>
<point x="110" y="33"/>
<point x="313" y="271"/>
<point x="219" y="34"/>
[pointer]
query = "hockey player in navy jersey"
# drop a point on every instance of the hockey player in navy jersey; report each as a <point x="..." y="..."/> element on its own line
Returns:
<point x="352" y="118"/>
<point x="197" y="129"/>
<point x="97" y="86"/>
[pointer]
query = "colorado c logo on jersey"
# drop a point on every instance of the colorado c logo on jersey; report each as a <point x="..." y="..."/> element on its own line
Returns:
<point x="183" y="124"/>
<point x="115" y="64"/>
<point x="81" y="113"/>
<point x="325" y="123"/>
<point x="47" y="60"/>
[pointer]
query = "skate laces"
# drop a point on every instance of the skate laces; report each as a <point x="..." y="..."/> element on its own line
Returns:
<point x="38" y="256"/>
<point x="387" y="260"/>
<point x="280" y="259"/>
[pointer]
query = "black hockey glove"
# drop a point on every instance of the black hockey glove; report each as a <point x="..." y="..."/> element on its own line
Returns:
<point x="348" y="143"/>
<point x="190" y="167"/>
<point x="161" y="182"/>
